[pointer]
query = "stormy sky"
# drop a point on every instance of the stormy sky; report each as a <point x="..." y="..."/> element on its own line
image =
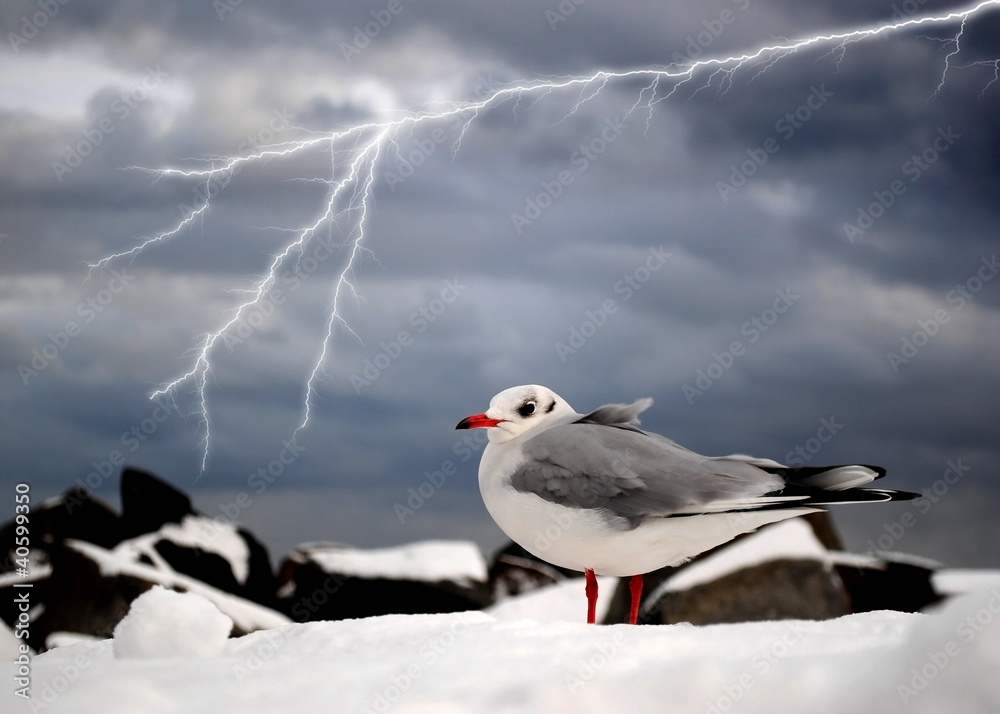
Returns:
<point x="796" y="258"/>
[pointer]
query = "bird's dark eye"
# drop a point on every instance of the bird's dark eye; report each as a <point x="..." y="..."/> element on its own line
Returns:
<point x="526" y="409"/>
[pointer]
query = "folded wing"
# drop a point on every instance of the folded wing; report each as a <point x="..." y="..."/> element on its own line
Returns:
<point x="603" y="462"/>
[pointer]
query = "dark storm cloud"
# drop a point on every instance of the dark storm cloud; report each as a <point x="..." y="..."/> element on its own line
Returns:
<point x="542" y="261"/>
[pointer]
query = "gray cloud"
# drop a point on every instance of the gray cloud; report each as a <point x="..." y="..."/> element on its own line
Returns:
<point x="845" y="127"/>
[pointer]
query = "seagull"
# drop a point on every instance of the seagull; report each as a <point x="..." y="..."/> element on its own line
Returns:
<point x="593" y="492"/>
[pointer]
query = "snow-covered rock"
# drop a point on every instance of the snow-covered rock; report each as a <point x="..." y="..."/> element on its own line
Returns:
<point x="782" y="571"/>
<point x="247" y="616"/>
<point x="157" y="529"/>
<point x="161" y="527"/>
<point x="430" y="561"/>
<point x="216" y="553"/>
<point x="325" y="581"/>
<point x="788" y="540"/>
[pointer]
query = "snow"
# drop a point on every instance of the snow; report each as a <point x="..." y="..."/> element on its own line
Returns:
<point x="428" y="561"/>
<point x="194" y="532"/>
<point x="64" y="639"/>
<point x="165" y="623"/>
<point x="530" y="653"/>
<point x="246" y="615"/>
<point x="958" y="581"/>
<point x="858" y="560"/>
<point x="474" y="662"/>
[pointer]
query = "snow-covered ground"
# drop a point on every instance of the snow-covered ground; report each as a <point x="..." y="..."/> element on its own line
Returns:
<point x="532" y="657"/>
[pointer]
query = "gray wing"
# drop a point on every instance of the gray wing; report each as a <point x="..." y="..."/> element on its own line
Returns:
<point x="632" y="474"/>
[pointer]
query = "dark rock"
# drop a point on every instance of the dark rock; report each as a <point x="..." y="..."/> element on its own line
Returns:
<point x="74" y="514"/>
<point x="148" y="503"/>
<point x="261" y="585"/>
<point x="897" y="585"/>
<point x="775" y="590"/>
<point x="319" y="595"/>
<point x="206" y="566"/>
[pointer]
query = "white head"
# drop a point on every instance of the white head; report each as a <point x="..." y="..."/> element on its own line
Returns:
<point x="518" y="410"/>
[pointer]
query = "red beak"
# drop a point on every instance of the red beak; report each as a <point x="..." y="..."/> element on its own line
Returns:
<point x="477" y="420"/>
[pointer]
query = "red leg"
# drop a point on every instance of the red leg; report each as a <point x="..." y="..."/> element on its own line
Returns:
<point x="635" y="587"/>
<point x="591" y="596"/>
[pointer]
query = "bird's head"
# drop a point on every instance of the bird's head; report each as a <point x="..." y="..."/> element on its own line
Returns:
<point x="519" y="410"/>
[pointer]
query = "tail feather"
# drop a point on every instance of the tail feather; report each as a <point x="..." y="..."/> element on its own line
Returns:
<point x="816" y="497"/>
<point x="827" y="485"/>
<point x="802" y="497"/>
<point x="828" y="478"/>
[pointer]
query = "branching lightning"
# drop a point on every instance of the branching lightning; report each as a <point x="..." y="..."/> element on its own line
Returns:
<point x="349" y="197"/>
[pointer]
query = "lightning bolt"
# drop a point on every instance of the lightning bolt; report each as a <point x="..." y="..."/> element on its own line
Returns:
<point x="349" y="198"/>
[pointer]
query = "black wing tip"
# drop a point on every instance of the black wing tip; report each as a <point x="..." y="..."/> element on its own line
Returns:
<point x="820" y="497"/>
<point x="860" y="495"/>
<point x="894" y="495"/>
